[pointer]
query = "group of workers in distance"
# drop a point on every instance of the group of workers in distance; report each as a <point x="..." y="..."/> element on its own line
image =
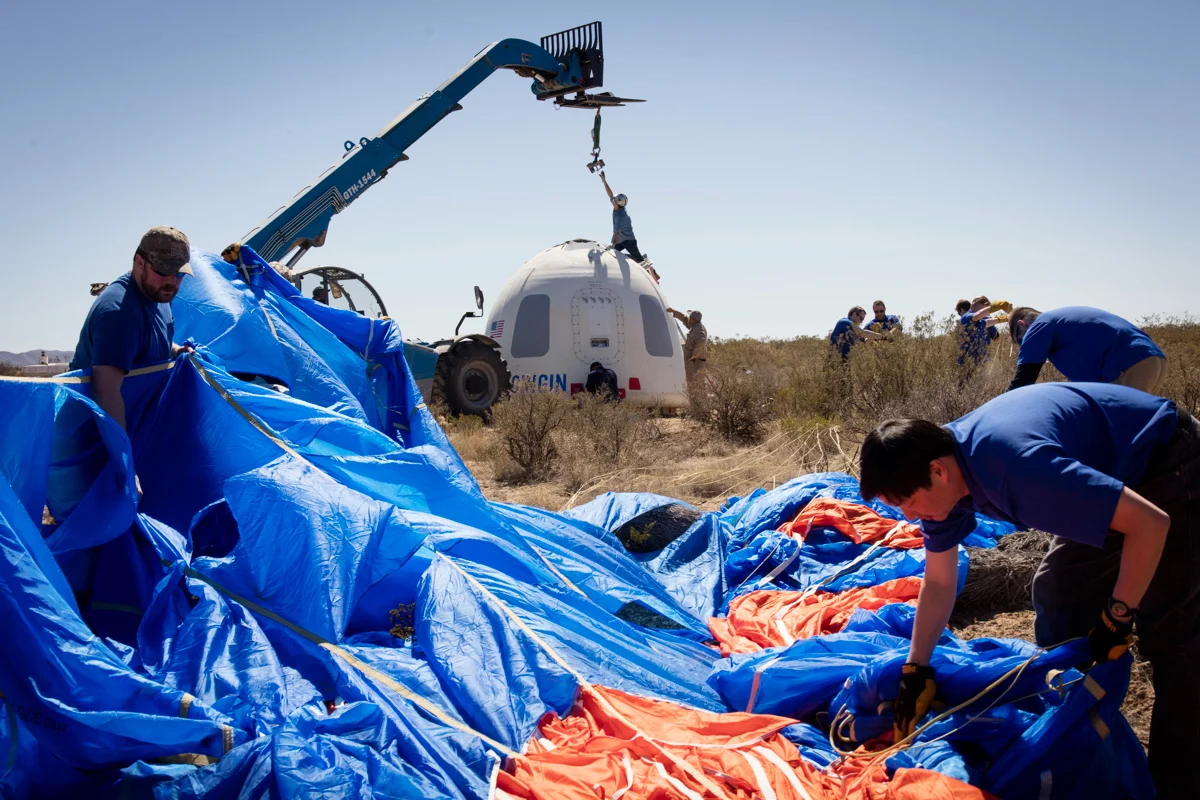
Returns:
<point x="1103" y="463"/>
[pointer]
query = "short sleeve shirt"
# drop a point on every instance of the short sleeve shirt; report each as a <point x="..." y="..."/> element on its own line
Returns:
<point x="1085" y="344"/>
<point x="1053" y="456"/>
<point x="124" y="329"/>
<point x="975" y="336"/>
<point x="622" y="225"/>
<point x="843" y="336"/>
<point x="883" y="325"/>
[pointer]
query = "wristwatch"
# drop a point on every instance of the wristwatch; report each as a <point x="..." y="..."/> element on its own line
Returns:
<point x="1118" y="610"/>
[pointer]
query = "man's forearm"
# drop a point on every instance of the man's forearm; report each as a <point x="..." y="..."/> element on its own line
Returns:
<point x="934" y="605"/>
<point x="1025" y="375"/>
<point x="1145" y="527"/>
<point x="106" y="391"/>
<point x="112" y="403"/>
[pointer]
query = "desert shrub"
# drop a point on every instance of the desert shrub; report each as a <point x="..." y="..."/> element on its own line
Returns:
<point x="599" y="437"/>
<point x="525" y="422"/>
<point x="9" y="369"/>
<point x="734" y="402"/>
<point x="403" y="619"/>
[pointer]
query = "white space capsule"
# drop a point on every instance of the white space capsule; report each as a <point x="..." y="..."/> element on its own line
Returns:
<point x="577" y="303"/>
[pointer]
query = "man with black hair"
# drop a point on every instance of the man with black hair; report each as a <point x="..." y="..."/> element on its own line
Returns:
<point x="882" y="322"/>
<point x="1114" y="474"/>
<point x="602" y="382"/>
<point x="1085" y="344"/>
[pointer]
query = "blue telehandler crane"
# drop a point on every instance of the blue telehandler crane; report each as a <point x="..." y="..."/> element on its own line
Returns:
<point x="465" y="372"/>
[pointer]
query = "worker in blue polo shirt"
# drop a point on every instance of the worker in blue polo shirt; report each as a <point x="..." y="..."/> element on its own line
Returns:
<point x="130" y="323"/>
<point x="1114" y="474"/>
<point x="882" y="322"/>
<point x="1085" y="344"/>
<point x="977" y="327"/>
<point x="848" y="332"/>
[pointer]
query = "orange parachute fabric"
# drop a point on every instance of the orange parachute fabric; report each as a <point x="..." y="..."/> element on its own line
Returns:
<point x="619" y="746"/>
<point x="857" y="522"/>
<point x="763" y="619"/>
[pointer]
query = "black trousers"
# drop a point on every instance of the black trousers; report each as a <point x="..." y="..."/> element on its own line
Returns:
<point x="630" y="246"/>
<point x="1075" y="581"/>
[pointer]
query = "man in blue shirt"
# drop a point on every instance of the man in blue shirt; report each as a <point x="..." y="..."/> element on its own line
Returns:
<point x="882" y="322"/>
<point x="847" y="332"/>
<point x="1114" y="474"/>
<point x="623" y="238"/>
<point x="130" y="323"/>
<point x="1085" y="344"/>
<point x="977" y="329"/>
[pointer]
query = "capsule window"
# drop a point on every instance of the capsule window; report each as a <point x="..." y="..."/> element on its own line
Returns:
<point x="654" y="326"/>
<point x="531" y="332"/>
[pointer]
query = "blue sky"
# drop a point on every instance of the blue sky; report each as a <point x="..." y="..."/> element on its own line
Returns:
<point x="793" y="159"/>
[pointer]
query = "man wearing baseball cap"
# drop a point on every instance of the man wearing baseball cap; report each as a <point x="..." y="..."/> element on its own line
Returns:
<point x="130" y="323"/>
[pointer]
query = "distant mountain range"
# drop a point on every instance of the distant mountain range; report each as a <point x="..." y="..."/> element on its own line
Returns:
<point x="34" y="357"/>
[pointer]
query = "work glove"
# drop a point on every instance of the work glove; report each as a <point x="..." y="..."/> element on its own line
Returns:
<point x="913" y="699"/>
<point x="1001" y="318"/>
<point x="1000" y="305"/>
<point x="1109" y="640"/>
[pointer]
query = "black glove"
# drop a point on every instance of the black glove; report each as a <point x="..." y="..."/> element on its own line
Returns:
<point x="913" y="699"/>
<point x="1109" y="640"/>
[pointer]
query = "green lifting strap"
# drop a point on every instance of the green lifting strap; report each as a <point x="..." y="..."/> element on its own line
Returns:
<point x="596" y="134"/>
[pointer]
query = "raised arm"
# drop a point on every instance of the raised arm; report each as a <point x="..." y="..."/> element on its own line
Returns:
<point x="608" y="189"/>
<point x="682" y="318"/>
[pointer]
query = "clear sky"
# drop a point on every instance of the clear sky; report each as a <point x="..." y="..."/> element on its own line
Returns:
<point x="794" y="158"/>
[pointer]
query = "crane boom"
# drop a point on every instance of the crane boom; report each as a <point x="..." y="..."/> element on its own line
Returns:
<point x="565" y="62"/>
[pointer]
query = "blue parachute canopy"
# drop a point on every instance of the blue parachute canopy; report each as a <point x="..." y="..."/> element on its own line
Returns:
<point x="313" y="596"/>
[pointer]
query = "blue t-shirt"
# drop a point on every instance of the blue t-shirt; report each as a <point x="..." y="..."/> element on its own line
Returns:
<point x="124" y="329"/>
<point x="976" y="335"/>
<point x="1085" y="344"/>
<point x="883" y="325"/>
<point x="843" y="336"/>
<point x="1053" y="456"/>
<point x="622" y="225"/>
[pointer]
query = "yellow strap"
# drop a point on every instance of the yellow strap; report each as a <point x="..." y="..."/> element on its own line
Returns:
<point x="1099" y="724"/>
<point x="88" y="378"/>
<point x="258" y="424"/>
<point x="185" y="703"/>
<point x="1090" y="684"/>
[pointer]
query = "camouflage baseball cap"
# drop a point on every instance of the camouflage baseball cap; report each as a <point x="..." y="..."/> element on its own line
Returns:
<point x="167" y="249"/>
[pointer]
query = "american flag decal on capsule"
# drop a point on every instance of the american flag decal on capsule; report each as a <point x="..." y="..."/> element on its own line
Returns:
<point x="497" y="329"/>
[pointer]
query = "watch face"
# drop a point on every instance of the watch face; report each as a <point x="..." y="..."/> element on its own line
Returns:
<point x="1118" y="609"/>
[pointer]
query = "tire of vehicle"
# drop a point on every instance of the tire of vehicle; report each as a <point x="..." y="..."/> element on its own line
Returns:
<point x="470" y="378"/>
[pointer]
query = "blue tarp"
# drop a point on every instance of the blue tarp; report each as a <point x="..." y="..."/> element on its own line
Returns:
<point x="239" y="613"/>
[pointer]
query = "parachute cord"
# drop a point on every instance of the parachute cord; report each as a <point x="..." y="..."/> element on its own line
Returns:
<point x="842" y="718"/>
